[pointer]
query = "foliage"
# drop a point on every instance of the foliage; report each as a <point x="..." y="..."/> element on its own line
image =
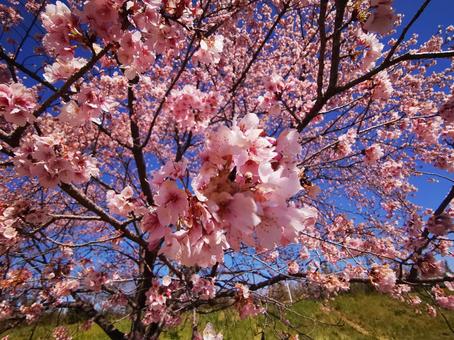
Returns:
<point x="365" y="311"/>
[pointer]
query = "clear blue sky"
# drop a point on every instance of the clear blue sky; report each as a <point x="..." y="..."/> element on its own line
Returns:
<point x="439" y="12"/>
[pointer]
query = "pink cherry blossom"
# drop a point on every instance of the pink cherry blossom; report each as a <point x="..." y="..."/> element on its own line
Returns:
<point x="381" y="20"/>
<point x="61" y="333"/>
<point x="430" y="267"/>
<point x="373" y="154"/>
<point x="5" y="310"/>
<point x="192" y="107"/>
<point x="431" y="311"/>
<point x="345" y="142"/>
<point x="17" y="103"/>
<point x="122" y="203"/>
<point x="209" y="333"/>
<point x="170" y="170"/>
<point x="32" y="312"/>
<point x="203" y="288"/>
<point x="248" y="308"/>
<point x="373" y="49"/>
<point x="383" y="88"/>
<point x="293" y="268"/>
<point x="159" y="157"/>
<point x="65" y="288"/>
<point x="102" y="16"/>
<point x="63" y="69"/>
<point x="93" y="279"/>
<point x="52" y="162"/>
<point x="443" y="300"/>
<point x="239" y="213"/>
<point x="447" y="110"/>
<point x="59" y="23"/>
<point x="172" y="202"/>
<point x="210" y="50"/>
<point x="383" y="278"/>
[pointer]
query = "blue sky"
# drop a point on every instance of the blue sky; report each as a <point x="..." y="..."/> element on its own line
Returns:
<point x="439" y="12"/>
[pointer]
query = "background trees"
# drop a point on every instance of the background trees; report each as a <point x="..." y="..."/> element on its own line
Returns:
<point x="163" y="156"/>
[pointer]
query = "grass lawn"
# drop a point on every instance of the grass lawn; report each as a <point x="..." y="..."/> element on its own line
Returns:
<point x="359" y="315"/>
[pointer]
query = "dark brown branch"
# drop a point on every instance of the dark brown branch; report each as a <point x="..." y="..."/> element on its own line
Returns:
<point x="137" y="149"/>
<point x="84" y="201"/>
<point x="11" y="62"/>
<point x="321" y="57"/>
<point x="320" y="102"/>
<point x="335" y="56"/>
<point x="443" y="205"/>
<point x="97" y="317"/>
<point x="406" y="29"/>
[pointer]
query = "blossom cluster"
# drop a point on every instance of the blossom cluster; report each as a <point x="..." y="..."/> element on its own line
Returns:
<point x="245" y="303"/>
<point x="192" y="108"/>
<point x="86" y="105"/>
<point x="15" y="215"/>
<point x="444" y="300"/>
<point x="383" y="278"/>
<point x="17" y="103"/>
<point x="137" y="47"/>
<point x="60" y="25"/>
<point x="61" y="333"/>
<point x="62" y="69"/>
<point x="242" y="194"/>
<point x="210" y="50"/>
<point x="53" y="162"/>
<point x="157" y="309"/>
<point x="122" y="203"/>
<point x="203" y="288"/>
<point x="382" y="17"/>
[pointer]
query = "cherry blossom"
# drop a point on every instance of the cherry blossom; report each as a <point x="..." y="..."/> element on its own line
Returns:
<point x="204" y="288"/>
<point x="293" y="267"/>
<point x="445" y="301"/>
<point x="172" y="201"/>
<point x="102" y="16"/>
<point x="209" y="333"/>
<point x="61" y="333"/>
<point x="210" y="50"/>
<point x="48" y="159"/>
<point x="162" y="157"/>
<point x="59" y="23"/>
<point x="63" y="69"/>
<point x="122" y="203"/>
<point x="373" y="154"/>
<point x="192" y="107"/>
<point x="64" y="288"/>
<point x="383" y="278"/>
<point x="93" y="279"/>
<point x="249" y="309"/>
<point x="17" y="103"/>
<point x="382" y="18"/>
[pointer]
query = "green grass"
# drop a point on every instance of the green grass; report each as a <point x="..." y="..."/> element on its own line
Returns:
<point x="358" y="315"/>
